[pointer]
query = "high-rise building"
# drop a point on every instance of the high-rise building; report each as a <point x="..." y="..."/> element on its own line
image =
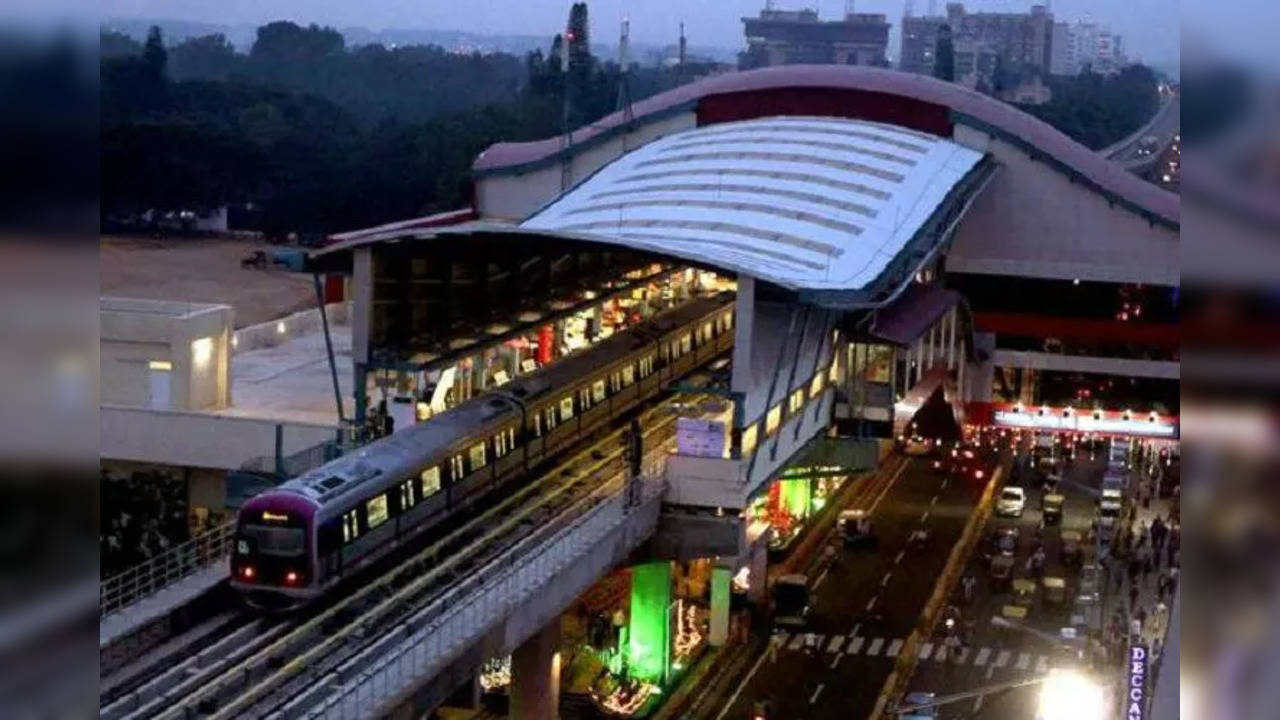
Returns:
<point x="1086" y="44"/>
<point x="1022" y="41"/>
<point x="789" y="37"/>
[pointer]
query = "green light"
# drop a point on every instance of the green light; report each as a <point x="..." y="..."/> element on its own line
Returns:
<point x="649" y="649"/>
<point x="796" y="497"/>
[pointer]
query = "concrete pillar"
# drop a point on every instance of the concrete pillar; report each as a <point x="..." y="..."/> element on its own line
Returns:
<point x="919" y="363"/>
<point x="535" y="675"/>
<point x="951" y="339"/>
<point x="743" y="328"/>
<point x="759" y="575"/>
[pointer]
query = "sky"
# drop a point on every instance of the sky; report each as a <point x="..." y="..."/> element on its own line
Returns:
<point x="1150" y="27"/>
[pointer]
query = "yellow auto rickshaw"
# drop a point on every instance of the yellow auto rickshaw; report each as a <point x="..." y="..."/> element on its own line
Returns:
<point x="1070" y="547"/>
<point x="1055" y="590"/>
<point x="1024" y="592"/>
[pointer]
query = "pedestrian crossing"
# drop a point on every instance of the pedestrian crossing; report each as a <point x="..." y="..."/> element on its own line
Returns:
<point x="840" y="645"/>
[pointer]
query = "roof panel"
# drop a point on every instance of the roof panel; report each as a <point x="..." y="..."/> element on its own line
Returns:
<point x="804" y="202"/>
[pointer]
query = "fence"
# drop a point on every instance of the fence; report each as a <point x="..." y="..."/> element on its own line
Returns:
<point x="147" y="579"/>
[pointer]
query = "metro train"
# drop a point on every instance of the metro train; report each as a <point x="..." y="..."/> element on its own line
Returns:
<point x="295" y="542"/>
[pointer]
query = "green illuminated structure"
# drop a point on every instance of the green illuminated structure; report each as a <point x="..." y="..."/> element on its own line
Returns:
<point x="649" y="641"/>
<point x="797" y="496"/>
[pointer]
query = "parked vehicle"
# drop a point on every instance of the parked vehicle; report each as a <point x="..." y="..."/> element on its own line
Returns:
<point x="791" y="601"/>
<point x="1012" y="502"/>
<point x="855" y="528"/>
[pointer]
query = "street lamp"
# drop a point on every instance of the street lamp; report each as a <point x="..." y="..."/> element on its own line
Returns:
<point x="1069" y="694"/>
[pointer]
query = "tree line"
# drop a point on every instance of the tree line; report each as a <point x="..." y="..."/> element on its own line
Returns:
<point x="317" y="137"/>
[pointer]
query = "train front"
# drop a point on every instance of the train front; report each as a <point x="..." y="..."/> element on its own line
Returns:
<point x="273" y="563"/>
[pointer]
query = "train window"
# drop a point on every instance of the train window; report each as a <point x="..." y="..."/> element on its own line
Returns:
<point x="773" y="419"/>
<point x="477" y="456"/>
<point x="597" y="391"/>
<point x="815" y="387"/>
<point x="707" y="332"/>
<point x="407" y="499"/>
<point x="376" y="511"/>
<point x="673" y="350"/>
<point x="456" y="469"/>
<point x="350" y="526"/>
<point x="797" y="401"/>
<point x="646" y="367"/>
<point x="430" y="481"/>
<point x="628" y="376"/>
<point x="749" y="439"/>
<point x="686" y="343"/>
<point x="584" y="399"/>
<point x="615" y="382"/>
<point x="504" y="442"/>
<point x="550" y="414"/>
<point x="728" y="320"/>
<point x="566" y="407"/>
<point x="537" y="424"/>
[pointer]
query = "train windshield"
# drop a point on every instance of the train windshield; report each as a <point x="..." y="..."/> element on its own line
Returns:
<point x="275" y="540"/>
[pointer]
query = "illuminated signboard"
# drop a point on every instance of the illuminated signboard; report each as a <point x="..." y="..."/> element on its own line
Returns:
<point x="1084" y="422"/>
<point x="274" y="517"/>
<point x="1135" y="699"/>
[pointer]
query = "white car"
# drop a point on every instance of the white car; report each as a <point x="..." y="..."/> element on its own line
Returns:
<point x="1013" y="500"/>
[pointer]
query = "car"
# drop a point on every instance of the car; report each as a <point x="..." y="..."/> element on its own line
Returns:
<point x="917" y="446"/>
<point x="855" y="528"/>
<point x="791" y="601"/>
<point x="1108" y="516"/>
<point x="916" y="699"/>
<point x="1116" y="481"/>
<point x="1013" y="500"/>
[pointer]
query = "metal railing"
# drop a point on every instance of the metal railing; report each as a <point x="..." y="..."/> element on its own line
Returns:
<point x="441" y="631"/>
<point x="179" y="562"/>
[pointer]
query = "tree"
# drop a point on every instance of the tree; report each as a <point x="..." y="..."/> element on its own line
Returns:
<point x="944" y="56"/>
<point x="113" y="44"/>
<point x="209" y="57"/>
<point x="154" y="56"/>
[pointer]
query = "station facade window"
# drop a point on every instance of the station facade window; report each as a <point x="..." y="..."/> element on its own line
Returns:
<point x="749" y="438"/>
<point x="796" y="401"/>
<point x="815" y="387"/>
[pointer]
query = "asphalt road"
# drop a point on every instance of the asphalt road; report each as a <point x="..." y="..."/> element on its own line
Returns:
<point x="997" y="655"/>
<point x="843" y="675"/>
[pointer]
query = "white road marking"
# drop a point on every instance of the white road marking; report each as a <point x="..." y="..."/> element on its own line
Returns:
<point x="814" y="697"/>
<point x="738" y="691"/>
<point x="1024" y="660"/>
<point x="872" y="603"/>
<point x="836" y="661"/>
<point x="1002" y="659"/>
<point x="924" y="517"/>
<point x="898" y="558"/>
<point x="836" y="642"/>
<point x="888" y="485"/>
<point x="855" y="645"/>
<point x="819" y="581"/>
<point x="963" y="656"/>
<point x="885" y="580"/>
<point x="991" y="669"/>
<point x="854" y="632"/>
<point x="977" y="703"/>
<point x="1042" y="665"/>
<point x="926" y="650"/>
<point x="874" y="648"/>
<point x="893" y="649"/>
<point x="934" y="501"/>
<point x="981" y="658"/>
<point x="797" y="642"/>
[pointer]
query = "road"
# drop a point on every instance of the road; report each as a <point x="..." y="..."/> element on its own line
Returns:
<point x="855" y="653"/>
<point x="1164" y="126"/>
<point x="996" y="655"/>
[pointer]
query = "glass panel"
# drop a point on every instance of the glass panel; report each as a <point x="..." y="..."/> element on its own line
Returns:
<point x="815" y="388"/>
<point x="566" y="408"/>
<point x="773" y="419"/>
<point x="879" y="363"/>
<point x="749" y="439"/>
<point x="597" y="391"/>
<point x="628" y="376"/>
<point x="277" y="540"/>
<point x="430" y="481"/>
<point x="376" y="510"/>
<point x="477" y="456"/>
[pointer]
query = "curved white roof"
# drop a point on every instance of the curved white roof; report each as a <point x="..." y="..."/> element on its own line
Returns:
<point x="812" y="203"/>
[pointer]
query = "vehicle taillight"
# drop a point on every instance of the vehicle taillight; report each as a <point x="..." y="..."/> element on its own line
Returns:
<point x="247" y="572"/>
<point x="978" y="474"/>
<point x="291" y="578"/>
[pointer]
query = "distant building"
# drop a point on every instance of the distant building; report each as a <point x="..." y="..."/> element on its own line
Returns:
<point x="1023" y="42"/>
<point x="790" y="37"/>
<point x="1031" y="91"/>
<point x="1086" y="44"/>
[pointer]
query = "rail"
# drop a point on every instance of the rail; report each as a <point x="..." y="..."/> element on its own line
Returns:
<point x="451" y="623"/>
<point x="148" y="578"/>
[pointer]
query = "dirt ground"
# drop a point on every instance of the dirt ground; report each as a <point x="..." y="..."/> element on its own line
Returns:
<point x="201" y="270"/>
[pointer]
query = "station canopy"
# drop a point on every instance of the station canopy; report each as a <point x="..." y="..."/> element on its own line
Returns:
<point x="808" y="203"/>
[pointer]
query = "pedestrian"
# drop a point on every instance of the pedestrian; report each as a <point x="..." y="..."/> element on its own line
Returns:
<point x="1142" y="618"/>
<point x="1135" y="565"/>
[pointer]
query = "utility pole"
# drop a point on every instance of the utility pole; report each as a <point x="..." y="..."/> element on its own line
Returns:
<point x="566" y="139"/>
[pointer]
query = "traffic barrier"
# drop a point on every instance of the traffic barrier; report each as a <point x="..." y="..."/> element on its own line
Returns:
<point x="896" y="682"/>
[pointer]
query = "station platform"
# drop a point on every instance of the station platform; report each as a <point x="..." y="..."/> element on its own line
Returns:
<point x="136" y="616"/>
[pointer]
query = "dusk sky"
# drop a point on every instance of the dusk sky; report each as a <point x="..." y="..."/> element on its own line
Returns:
<point x="1150" y="27"/>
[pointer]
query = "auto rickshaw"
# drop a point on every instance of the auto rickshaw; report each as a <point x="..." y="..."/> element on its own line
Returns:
<point x="1070" y="547"/>
<point x="1052" y="507"/>
<point x="1055" y="590"/>
<point x="1024" y="592"/>
<point x="1001" y="572"/>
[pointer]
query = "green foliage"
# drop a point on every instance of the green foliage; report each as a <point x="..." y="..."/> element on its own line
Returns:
<point x="324" y="138"/>
<point x="1097" y="110"/>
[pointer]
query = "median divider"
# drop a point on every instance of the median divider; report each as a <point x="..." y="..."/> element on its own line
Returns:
<point x="897" y="681"/>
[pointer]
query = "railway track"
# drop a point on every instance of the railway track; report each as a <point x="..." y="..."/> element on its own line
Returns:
<point x="261" y="667"/>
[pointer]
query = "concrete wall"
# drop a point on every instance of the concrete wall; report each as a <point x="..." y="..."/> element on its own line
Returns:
<point x="192" y="338"/>
<point x="203" y="440"/>
<point x="514" y="196"/>
<point x="1033" y="221"/>
<point x="281" y="330"/>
